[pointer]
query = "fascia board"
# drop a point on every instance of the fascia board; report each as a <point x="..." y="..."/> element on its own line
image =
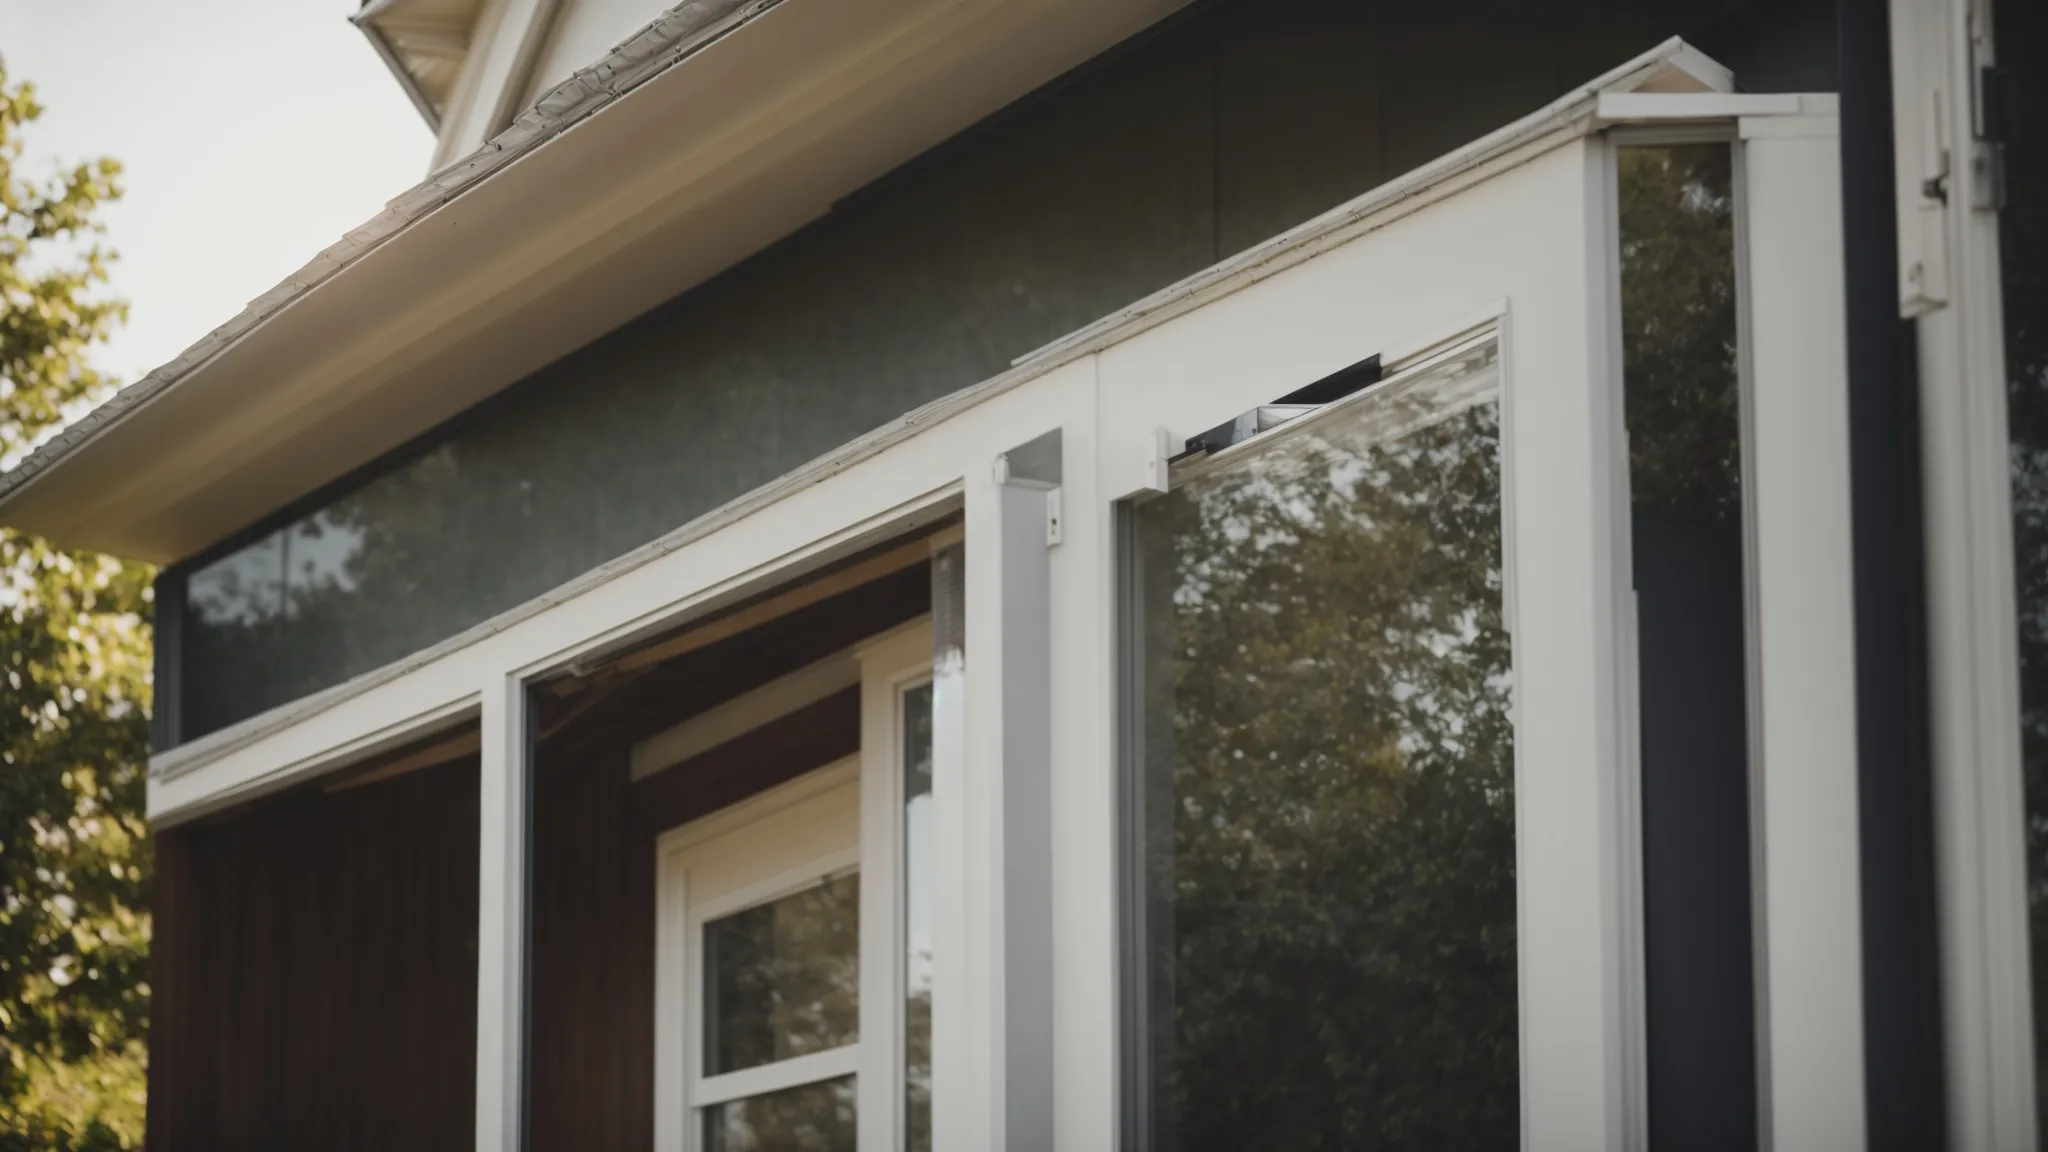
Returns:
<point x="669" y="41"/>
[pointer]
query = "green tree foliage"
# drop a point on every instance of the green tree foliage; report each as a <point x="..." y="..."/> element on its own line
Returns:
<point x="74" y="697"/>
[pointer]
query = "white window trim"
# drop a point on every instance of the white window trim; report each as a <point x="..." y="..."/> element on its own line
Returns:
<point x="1363" y="279"/>
<point x="705" y="1090"/>
<point x="744" y="714"/>
<point x="890" y="666"/>
<point x="1805" y="862"/>
<point x="1950" y="280"/>
<point x="681" y="1087"/>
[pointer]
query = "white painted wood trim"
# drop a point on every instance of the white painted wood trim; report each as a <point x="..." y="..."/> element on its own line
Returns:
<point x="1614" y="483"/>
<point x="1536" y="237"/>
<point x="681" y="1087"/>
<point x="888" y="667"/>
<point x="503" y="868"/>
<point x="1021" y="667"/>
<point x="1664" y="107"/>
<point x="783" y="1074"/>
<point x="1805" y="588"/>
<point x="743" y="714"/>
<point x="754" y="808"/>
<point x="812" y="872"/>
<point x="1950" y="278"/>
<point x="731" y="555"/>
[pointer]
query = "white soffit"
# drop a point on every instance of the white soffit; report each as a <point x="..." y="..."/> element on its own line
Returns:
<point x="726" y="125"/>
<point x="425" y="43"/>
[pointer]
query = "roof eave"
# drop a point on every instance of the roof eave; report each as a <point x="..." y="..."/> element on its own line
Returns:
<point x="364" y="20"/>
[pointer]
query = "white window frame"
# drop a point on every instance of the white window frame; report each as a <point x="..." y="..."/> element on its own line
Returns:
<point x="867" y="789"/>
<point x="826" y="800"/>
<point x="1446" y="249"/>
<point x="1468" y="264"/>
<point x="1950" y="283"/>
<point x="707" y="1090"/>
<point x="890" y="668"/>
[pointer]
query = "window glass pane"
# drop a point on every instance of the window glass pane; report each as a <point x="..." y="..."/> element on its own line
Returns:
<point x="783" y="979"/>
<point x="917" y="917"/>
<point x="2021" y="28"/>
<point x="811" y="1118"/>
<point x="1682" y="403"/>
<point x="1327" y="779"/>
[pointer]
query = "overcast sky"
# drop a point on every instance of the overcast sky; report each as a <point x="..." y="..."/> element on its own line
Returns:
<point x="254" y="133"/>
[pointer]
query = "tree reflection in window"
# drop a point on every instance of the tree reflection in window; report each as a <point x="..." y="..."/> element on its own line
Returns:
<point x="1328" y="782"/>
<point x="782" y="979"/>
<point x="2022" y="33"/>
<point x="810" y="1118"/>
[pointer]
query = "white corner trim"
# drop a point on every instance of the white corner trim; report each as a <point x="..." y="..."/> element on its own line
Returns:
<point x="745" y="713"/>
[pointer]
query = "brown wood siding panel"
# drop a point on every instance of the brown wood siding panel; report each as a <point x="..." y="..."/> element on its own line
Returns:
<point x="317" y="968"/>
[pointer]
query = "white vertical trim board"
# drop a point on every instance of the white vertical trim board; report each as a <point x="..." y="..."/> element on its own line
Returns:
<point x="503" y="867"/>
<point x="1813" y="966"/>
<point x="1022" y="669"/>
<point x="888" y="668"/>
<point x="1950" y="279"/>
<point x="1611" y="412"/>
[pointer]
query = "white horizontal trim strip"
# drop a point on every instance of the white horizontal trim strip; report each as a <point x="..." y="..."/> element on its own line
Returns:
<point x="1665" y="107"/>
<point x="743" y="714"/>
<point x="776" y="1077"/>
<point x="1567" y="119"/>
<point x="686" y="837"/>
<point x="812" y="873"/>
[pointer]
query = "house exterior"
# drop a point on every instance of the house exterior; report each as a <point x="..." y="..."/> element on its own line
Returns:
<point x="1091" y="574"/>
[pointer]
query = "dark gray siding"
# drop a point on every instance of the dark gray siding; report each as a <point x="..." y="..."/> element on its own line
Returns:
<point x="1232" y="123"/>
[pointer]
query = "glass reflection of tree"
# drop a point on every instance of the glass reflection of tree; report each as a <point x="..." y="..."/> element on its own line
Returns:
<point x="783" y="979"/>
<point x="812" y="1118"/>
<point x="917" y="935"/>
<point x="2022" y="31"/>
<point x="1677" y="223"/>
<point x="374" y="575"/>
<point x="1341" y="933"/>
